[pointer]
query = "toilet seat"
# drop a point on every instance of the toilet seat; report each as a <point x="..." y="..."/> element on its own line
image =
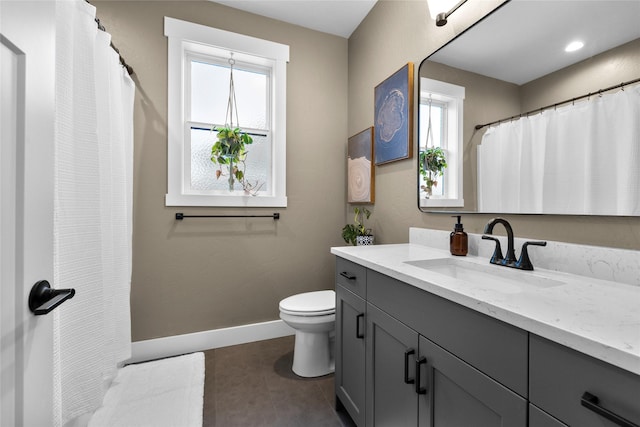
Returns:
<point x="318" y="303"/>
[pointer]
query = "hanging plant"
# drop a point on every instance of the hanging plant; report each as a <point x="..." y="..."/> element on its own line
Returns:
<point x="432" y="165"/>
<point x="230" y="149"/>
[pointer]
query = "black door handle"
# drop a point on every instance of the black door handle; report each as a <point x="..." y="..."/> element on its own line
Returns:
<point x="358" y="333"/>
<point x="43" y="298"/>
<point x="590" y="402"/>
<point x="407" y="353"/>
<point x="420" y="361"/>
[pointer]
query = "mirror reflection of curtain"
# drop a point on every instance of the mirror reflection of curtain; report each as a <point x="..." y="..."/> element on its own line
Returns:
<point x="578" y="159"/>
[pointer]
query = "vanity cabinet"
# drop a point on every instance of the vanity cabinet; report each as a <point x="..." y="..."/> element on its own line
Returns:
<point x="407" y="357"/>
<point x="350" y="339"/>
<point x="411" y="378"/>
<point x="560" y="377"/>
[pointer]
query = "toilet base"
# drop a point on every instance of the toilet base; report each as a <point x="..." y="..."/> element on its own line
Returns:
<point x="312" y="355"/>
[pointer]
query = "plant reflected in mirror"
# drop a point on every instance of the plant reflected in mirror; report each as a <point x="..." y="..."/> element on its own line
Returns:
<point x="432" y="165"/>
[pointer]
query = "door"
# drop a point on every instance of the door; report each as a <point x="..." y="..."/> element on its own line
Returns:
<point x="27" y="67"/>
<point x="392" y="350"/>
<point x="350" y="349"/>
<point x="457" y="394"/>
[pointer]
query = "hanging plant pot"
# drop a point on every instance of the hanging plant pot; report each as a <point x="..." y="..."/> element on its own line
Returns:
<point x="230" y="148"/>
<point x="432" y="163"/>
<point x="364" y="240"/>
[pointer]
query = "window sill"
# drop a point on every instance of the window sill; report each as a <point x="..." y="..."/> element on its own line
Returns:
<point x="441" y="203"/>
<point x="226" y="201"/>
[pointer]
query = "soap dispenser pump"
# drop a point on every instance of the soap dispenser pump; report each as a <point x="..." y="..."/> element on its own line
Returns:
<point x="458" y="240"/>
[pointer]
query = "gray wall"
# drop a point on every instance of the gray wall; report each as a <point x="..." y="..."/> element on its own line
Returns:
<point x="203" y="274"/>
<point x="397" y="32"/>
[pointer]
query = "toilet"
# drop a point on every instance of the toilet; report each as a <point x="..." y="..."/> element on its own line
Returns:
<point x="313" y="316"/>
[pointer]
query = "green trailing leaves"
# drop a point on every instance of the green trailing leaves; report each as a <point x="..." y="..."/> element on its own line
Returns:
<point x="230" y="150"/>
<point x="230" y="145"/>
<point x="432" y="165"/>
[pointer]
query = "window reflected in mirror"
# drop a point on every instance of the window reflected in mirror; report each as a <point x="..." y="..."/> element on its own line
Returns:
<point x="440" y="143"/>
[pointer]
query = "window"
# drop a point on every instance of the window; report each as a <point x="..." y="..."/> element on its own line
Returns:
<point x="442" y="104"/>
<point x="199" y="69"/>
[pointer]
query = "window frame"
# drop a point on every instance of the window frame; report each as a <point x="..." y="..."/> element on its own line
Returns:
<point x="453" y="96"/>
<point x="186" y="40"/>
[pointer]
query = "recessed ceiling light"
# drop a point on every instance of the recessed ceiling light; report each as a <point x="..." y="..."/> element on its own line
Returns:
<point x="573" y="46"/>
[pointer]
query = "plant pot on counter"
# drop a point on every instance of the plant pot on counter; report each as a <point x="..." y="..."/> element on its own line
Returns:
<point x="364" y="240"/>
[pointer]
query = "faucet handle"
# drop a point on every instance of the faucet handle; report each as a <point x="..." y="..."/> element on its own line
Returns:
<point x="524" y="263"/>
<point x="497" y="257"/>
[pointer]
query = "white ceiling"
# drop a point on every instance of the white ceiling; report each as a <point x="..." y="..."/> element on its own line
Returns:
<point x="599" y="23"/>
<point x="329" y="16"/>
<point x="534" y="33"/>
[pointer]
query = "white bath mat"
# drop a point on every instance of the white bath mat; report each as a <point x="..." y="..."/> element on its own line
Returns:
<point x="167" y="392"/>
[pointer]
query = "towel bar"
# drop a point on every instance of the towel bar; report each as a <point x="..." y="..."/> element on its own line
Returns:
<point x="180" y="216"/>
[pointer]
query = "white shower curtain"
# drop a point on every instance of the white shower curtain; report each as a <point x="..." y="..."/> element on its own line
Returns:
<point x="578" y="159"/>
<point x="93" y="211"/>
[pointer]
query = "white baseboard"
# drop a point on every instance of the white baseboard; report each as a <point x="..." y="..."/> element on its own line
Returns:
<point x="142" y="351"/>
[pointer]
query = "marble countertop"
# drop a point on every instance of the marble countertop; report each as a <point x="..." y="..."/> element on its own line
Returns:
<point x="597" y="317"/>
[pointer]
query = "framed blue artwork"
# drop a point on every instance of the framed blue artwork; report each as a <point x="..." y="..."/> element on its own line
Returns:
<point x="393" y="122"/>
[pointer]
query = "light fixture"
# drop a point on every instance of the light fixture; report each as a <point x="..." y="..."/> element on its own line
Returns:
<point x="573" y="46"/>
<point x="438" y="9"/>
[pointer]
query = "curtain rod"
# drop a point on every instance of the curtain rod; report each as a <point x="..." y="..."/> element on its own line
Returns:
<point x="126" y="66"/>
<point x="540" y="110"/>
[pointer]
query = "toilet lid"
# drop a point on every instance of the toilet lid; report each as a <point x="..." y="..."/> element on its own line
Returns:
<point x="310" y="303"/>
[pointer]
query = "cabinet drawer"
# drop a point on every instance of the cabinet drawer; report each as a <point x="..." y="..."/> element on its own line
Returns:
<point x="491" y="346"/>
<point x="352" y="276"/>
<point x="559" y="376"/>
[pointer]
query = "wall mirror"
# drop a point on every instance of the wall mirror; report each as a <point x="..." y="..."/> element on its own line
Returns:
<point x="527" y="127"/>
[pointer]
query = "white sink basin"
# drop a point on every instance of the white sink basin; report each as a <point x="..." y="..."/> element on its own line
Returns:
<point x="492" y="276"/>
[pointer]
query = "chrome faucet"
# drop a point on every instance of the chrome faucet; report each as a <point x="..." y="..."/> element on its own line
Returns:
<point x="524" y="263"/>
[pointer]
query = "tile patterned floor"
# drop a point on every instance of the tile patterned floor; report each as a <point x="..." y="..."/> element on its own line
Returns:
<point x="252" y="385"/>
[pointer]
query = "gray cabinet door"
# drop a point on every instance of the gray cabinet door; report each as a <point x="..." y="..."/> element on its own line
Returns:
<point x="350" y="353"/>
<point x="539" y="418"/>
<point x="391" y="353"/>
<point x="457" y="394"/>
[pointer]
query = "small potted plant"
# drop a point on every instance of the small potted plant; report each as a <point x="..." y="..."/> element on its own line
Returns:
<point x="432" y="165"/>
<point x="357" y="234"/>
